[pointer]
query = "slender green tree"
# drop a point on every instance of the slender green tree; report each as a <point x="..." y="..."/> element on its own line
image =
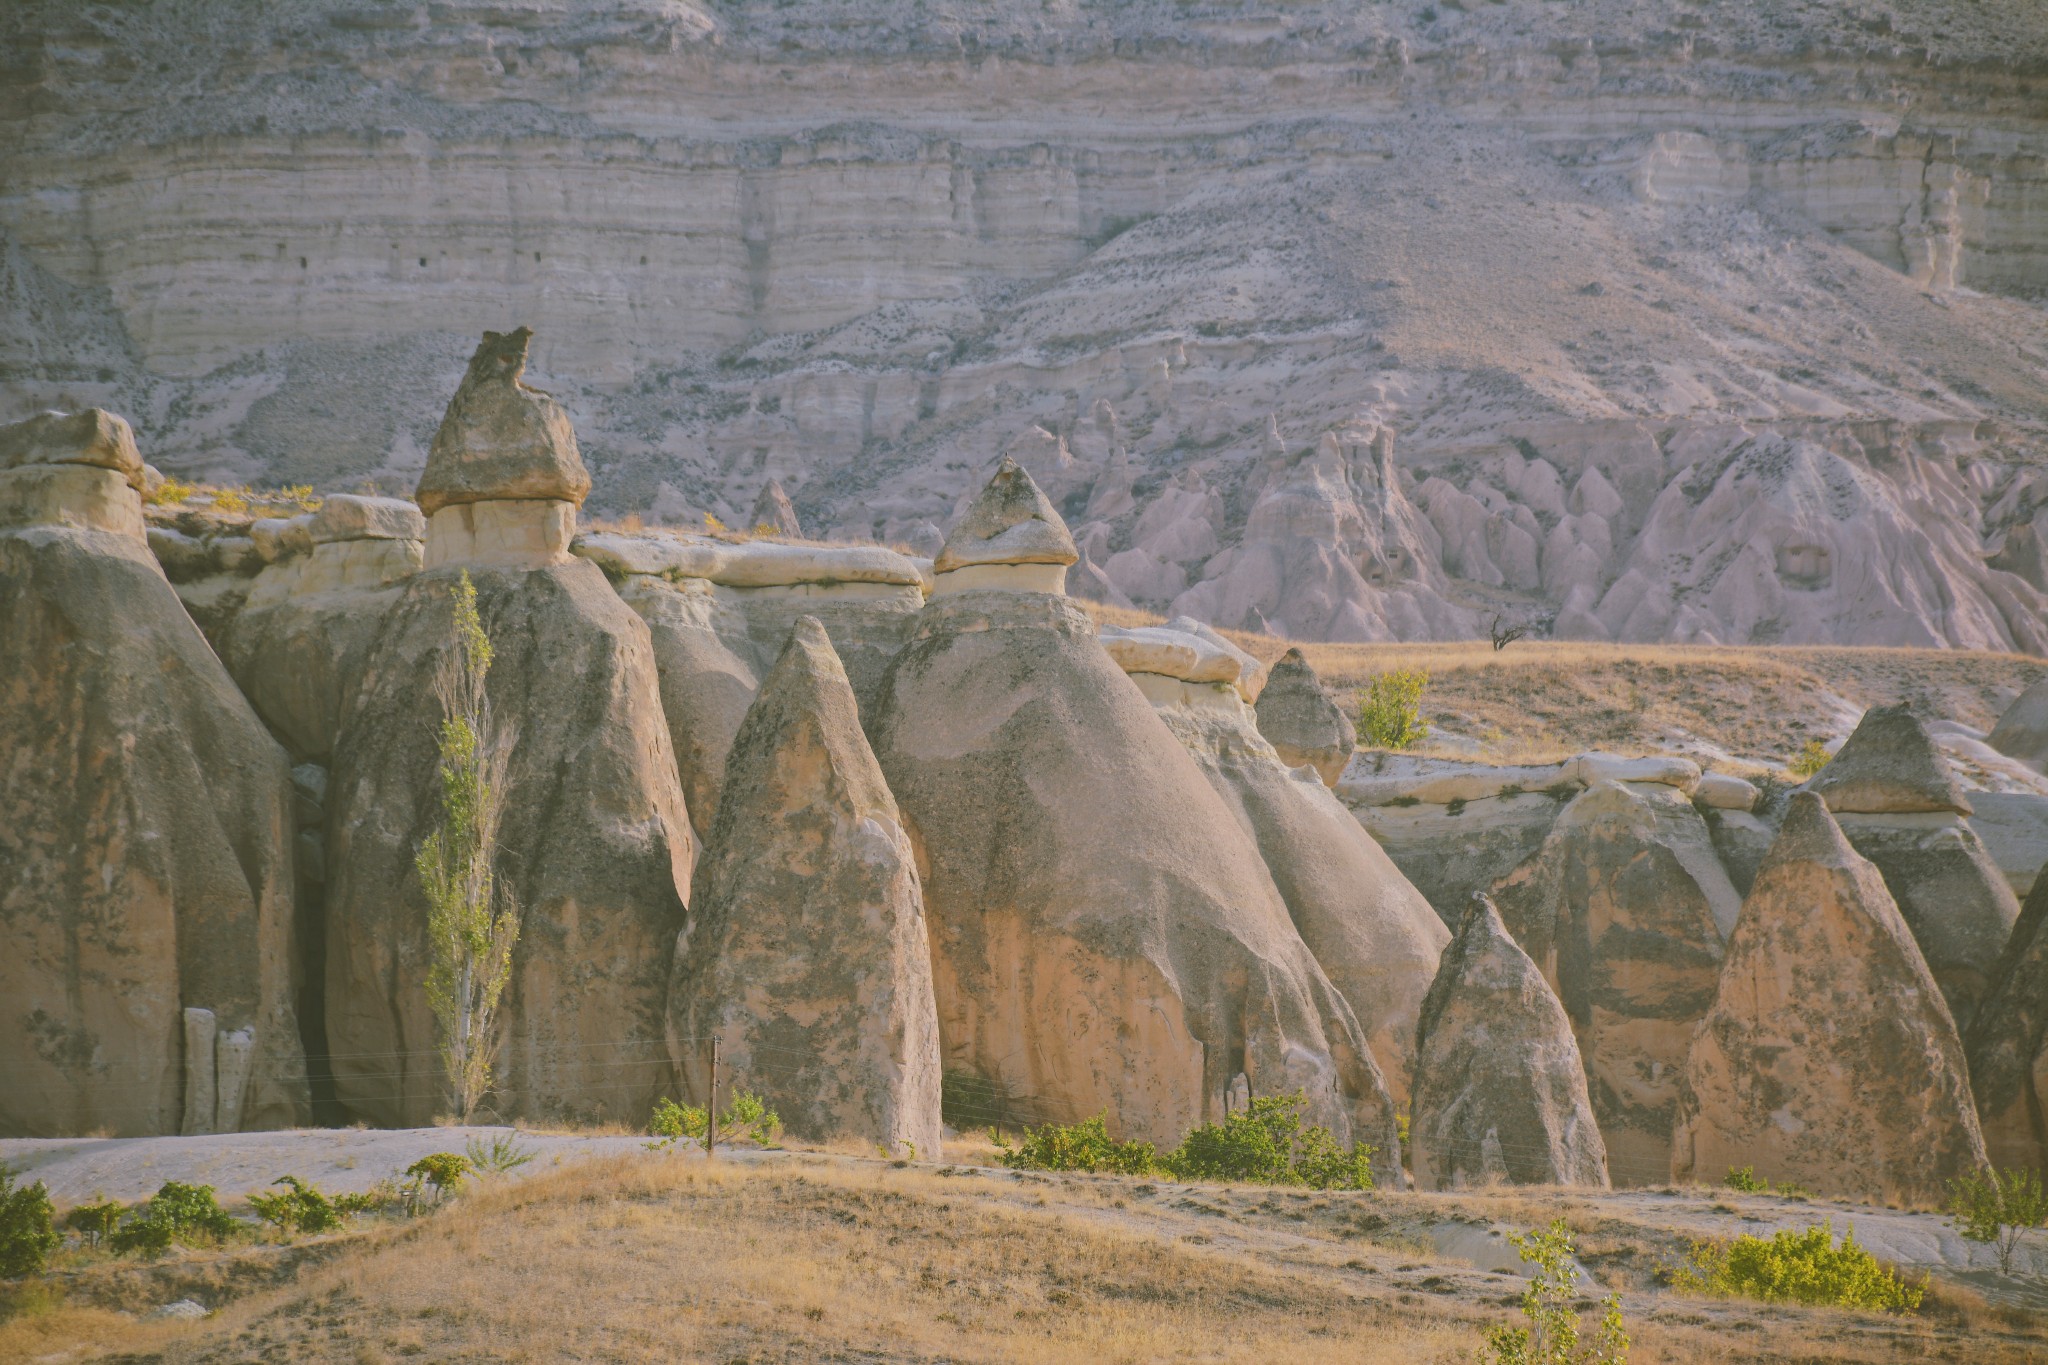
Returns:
<point x="472" y="921"/>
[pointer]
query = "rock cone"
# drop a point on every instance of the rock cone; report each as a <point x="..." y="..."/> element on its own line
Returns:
<point x="774" y="512"/>
<point x="1829" y="1057"/>
<point x="1625" y="908"/>
<point x="806" y="953"/>
<point x="1010" y="524"/>
<point x="1500" y="1093"/>
<point x="1105" y="935"/>
<point x="1299" y="718"/>
<point x="501" y="439"/>
<point x="2007" y="1045"/>
<point x="1889" y="766"/>
<point x="2022" y="732"/>
<point x="145" y="828"/>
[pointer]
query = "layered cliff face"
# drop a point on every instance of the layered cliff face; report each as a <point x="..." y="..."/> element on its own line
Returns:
<point x="1716" y="324"/>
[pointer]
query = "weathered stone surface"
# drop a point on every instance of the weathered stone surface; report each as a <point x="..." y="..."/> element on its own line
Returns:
<point x="88" y="437"/>
<point x="774" y="512"/>
<point x="1377" y="778"/>
<point x="1011" y="522"/>
<point x="749" y="564"/>
<point x="1173" y="654"/>
<point x="2014" y="828"/>
<point x="806" y="954"/>
<point x="596" y="852"/>
<point x="1725" y="791"/>
<point x="1625" y="908"/>
<point x="1372" y="933"/>
<point x="349" y="516"/>
<point x="1663" y="770"/>
<point x="505" y="533"/>
<point x="1500" y="1092"/>
<point x="2007" y="1045"/>
<point x="70" y="495"/>
<point x="1828" y="1058"/>
<point x="1303" y="722"/>
<point x="1889" y="766"/>
<point x="1956" y="902"/>
<point x="299" y="645"/>
<point x="1105" y="936"/>
<point x="2022" y="732"/>
<point x="500" y="439"/>
<point x="1449" y="852"/>
<point x="145" y="850"/>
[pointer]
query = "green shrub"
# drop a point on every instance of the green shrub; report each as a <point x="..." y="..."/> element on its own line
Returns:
<point x="1267" y="1143"/>
<point x="748" y="1117"/>
<point x="300" y="1208"/>
<point x="672" y="1121"/>
<point x="1083" y="1146"/>
<point x="95" y="1221"/>
<point x="177" y="1212"/>
<point x="433" y="1178"/>
<point x="1390" y="711"/>
<point x="1798" y="1267"/>
<point x="28" y="1232"/>
<point x="1552" y="1336"/>
<point x="1999" y="1207"/>
<point x="497" y="1156"/>
<point x="1809" y="760"/>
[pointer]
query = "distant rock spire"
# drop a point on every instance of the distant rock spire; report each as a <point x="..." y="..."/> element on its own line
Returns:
<point x="1011" y="526"/>
<point x="773" y="512"/>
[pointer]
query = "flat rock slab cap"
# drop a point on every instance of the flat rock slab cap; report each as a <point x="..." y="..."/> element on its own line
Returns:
<point x="1889" y="766"/>
<point x="501" y="439"/>
<point x="348" y="516"/>
<point x="1012" y="522"/>
<point x="89" y="437"/>
<point x="1171" y="653"/>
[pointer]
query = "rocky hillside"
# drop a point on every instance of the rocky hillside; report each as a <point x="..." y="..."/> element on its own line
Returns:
<point x="1712" y="322"/>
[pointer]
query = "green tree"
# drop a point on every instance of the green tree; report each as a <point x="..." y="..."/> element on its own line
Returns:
<point x="95" y="1221"/>
<point x="1390" y="711"/>
<point x="1083" y="1146"/>
<point x="1552" y="1336"/>
<point x="177" y="1212"/>
<point x="1269" y="1143"/>
<point x="442" y="1173"/>
<point x="472" y="923"/>
<point x="1809" y="760"/>
<point x="28" y="1233"/>
<point x="1999" y="1207"/>
<point x="298" y="1208"/>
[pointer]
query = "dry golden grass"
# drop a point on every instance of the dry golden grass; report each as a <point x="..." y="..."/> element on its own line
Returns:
<point x="806" y="1258"/>
<point x="1539" y="700"/>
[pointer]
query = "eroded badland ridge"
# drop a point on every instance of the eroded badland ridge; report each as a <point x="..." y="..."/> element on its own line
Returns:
<point x="1714" y="322"/>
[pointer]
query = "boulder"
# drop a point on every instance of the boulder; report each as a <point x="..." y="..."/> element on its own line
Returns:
<point x="145" y="841"/>
<point x="1889" y="766"/>
<point x="1105" y="935"/>
<point x="347" y="516"/>
<point x="1372" y="933"/>
<point x="1625" y="908"/>
<point x="1662" y="770"/>
<point x="501" y="439"/>
<point x="91" y="437"/>
<point x="1829" y="1058"/>
<point x="806" y="954"/>
<point x="1725" y="791"/>
<point x="774" y="512"/>
<point x="2022" y="732"/>
<point x="2007" y="1045"/>
<point x="1303" y="722"/>
<point x="1500" y="1092"/>
<point x="1010" y="537"/>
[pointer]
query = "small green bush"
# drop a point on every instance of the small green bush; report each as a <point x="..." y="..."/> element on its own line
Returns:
<point x="28" y="1231"/>
<point x="748" y="1117"/>
<point x="95" y="1221"/>
<point x="497" y="1156"/>
<point x="299" y="1208"/>
<point x="433" y="1178"/>
<point x="1798" y="1267"/>
<point x="1552" y="1336"/>
<point x="1999" y="1207"/>
<point x="1267" y="1143"/>
<point x="1083" y="1146"/>
<point x="672" y="1121"/>
<point x="1390" y="711"/>
<point x="1743" y="1180"/>
<point x="177" y="1212"/>
<point x="1809" y="760"/>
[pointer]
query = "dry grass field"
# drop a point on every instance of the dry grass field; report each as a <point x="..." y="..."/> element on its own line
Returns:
<point x="822" y="1258"/>
<point x="1742" y="709"/>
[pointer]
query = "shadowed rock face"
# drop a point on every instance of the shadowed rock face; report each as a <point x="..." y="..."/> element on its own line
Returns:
<point x="2007" y="1045"/>
<point x="1625" y="908"/>
<point x="2022" y="732"/>
<point x="1500" y="1092"/>
<point x="806" y="953"/>
<point x="500" y="439"/>
<point x="1829" y="1057"/>
<point x="1299" y="719"/>
<point x="1889" y="766"/>
<point x="145" y="833"/>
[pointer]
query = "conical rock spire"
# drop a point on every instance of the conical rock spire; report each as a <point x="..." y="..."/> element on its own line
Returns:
<point x="1011" y="522"/>
<point x="500" y="439"/>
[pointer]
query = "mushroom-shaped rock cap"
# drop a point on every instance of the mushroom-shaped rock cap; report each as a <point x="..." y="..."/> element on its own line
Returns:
<point x="89" y="437"/>
<point x="1299" y="718"/>
<point x="501" y="439"/>
<point x="1177" y="650"/>
<point x="1010" y="523"/>
<point x="1889" y="766"/>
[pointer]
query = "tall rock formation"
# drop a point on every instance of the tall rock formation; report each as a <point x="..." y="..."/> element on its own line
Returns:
<point x="2007" y="1045"/>
<point x="1626" y="908"/>
<point x="1829" y="1057"/>
<point x="774" y="512"/>
<point x="1896" y="798"/>
<point x="1500" y="1092"/>
<point x="806" y="954"/>
<point x="1372" y="933"/>
<point x="595" y="848"/>
<point x="1105" y="936"/>
<point x="145" y="825"/>
<point x="1299" y="718"/>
